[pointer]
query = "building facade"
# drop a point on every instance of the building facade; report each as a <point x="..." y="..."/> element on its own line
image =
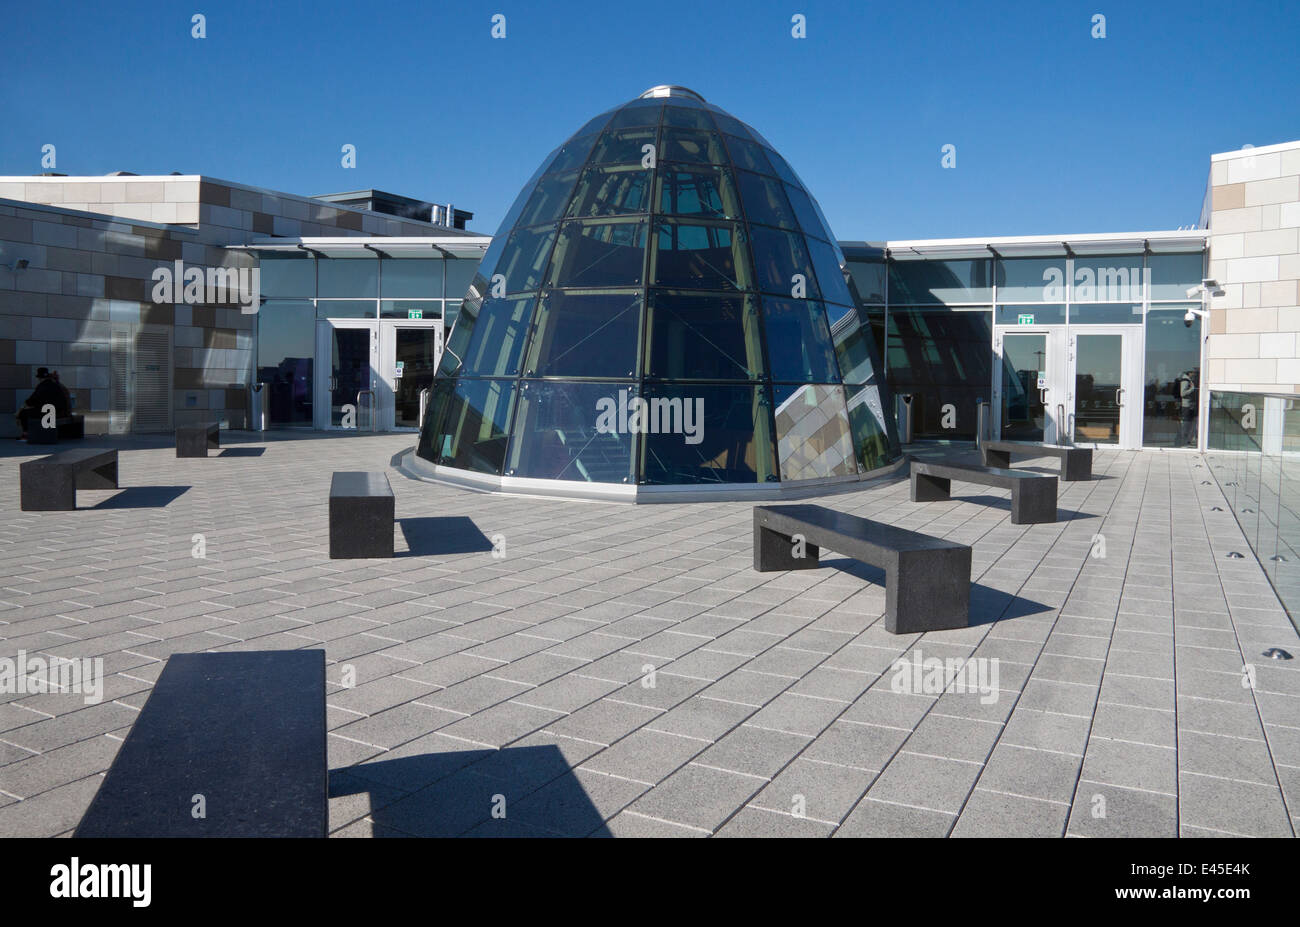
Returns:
<point x="1116" y="340"/>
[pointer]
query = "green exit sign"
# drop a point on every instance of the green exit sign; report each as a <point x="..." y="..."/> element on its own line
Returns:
<point x="1025" y="318"/>
<point x="419" y="314"/>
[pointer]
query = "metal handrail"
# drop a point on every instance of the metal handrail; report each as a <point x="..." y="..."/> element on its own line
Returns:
<point x="424" y="404"/>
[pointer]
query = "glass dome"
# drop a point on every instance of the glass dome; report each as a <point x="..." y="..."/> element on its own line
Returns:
<point x="658" y="308"/>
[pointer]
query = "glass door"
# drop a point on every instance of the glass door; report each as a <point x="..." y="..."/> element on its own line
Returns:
<point x="348" y="350"/>
<point x="1028" y="393"/>
<point x="410" y="351"/>
<point x="1106" y="386"/>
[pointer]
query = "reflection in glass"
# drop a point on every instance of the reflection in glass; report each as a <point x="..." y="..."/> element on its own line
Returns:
<point x="1098" y="377"/>
<point x="612" y="191"/>
<point x="550" y="197"/>
<point x="702" y="337"/>
<point x="945" y="282"/>
<point x="415" y="355"/>
<point x="1172" y="275"/>
<point x="558" y="433"/>
<point x="345" y="308"/>
<point x="1028" y="279"/>
<point x="286" y="348"/>
<point x="687" y="190"/>
<point x="778" y="256"/>
<point x="812" y="432"/>
<point x="624" y="146"/>
<point x="748" y="155"/>
<point x="287" y="276"/>
<point x="419" y="278"/>
<point x="695" y="255"/>
<point x="523" y="263"/>
<point x="941" y="357"/>
<point x="488" y="339"/>
<point x="1024" y="357"/>
<point x="765" y="200"/>
<point x="725" y="436"/>
<point x="691" y="146"/>
<point x="1171" y="393"/>
<point x="599" y="253"/>
<point x="1114" y="278"/>
<point x="799" y="345"/>
<point x="585" y="335"/>
<point x="350" y="372"/>
<point x="471" y="433"/>
<point x="348" y="278"/>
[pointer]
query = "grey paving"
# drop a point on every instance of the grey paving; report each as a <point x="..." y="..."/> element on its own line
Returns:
<point x="623" y="671"/>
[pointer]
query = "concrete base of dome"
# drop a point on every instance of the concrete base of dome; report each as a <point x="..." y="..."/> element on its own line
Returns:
<point x="415" y="467"/>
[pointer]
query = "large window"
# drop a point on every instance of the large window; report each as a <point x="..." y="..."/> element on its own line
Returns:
<point x="1170" y="400"/>
<point x="286" y="348"/>
<point x="585" y="335"/>
<point x="943" y="357"/>
<point x="348" y="278"/>
<point x="922" y="282"/>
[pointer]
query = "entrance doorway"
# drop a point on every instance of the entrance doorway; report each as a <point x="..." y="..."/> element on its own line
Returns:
<point x="1081" y="385"/>
<point x="374" y="371"/>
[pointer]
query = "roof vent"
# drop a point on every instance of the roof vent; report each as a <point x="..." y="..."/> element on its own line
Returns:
<point x="671" y="90"/>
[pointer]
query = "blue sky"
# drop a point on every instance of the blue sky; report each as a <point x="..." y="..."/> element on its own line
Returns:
<point x="1055" y="131"/>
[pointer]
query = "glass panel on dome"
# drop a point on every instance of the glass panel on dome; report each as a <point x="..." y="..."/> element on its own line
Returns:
<point x="694" y="337"/>
<point x="778" y="256"/>
<point x="624" y="146"/>
<point x="783" y="169"/>
<point x="699" y="256"/>
<point x="595" y="125"/>
<point x="550" y="197"/>
<point x="523" y="262"/>
<point x="729" y="124"/>
<point x="472" y="432"/>
<point x="599" y="253"/>
<point x="562" y="432"/>
<point x="871" y="444"/>
<point x="707" y="434"/>
<point x="687" y="118"/>
<point x="488" y="341"/>
<point x="799" y="346"/>
<point x="585" y="335"/>
<point x="809" y="221"/>
<point x="571" y="155"/>
<point x="830" y="278"/>
<point x="765" y="200"/>
<point x="612" y="191"/>
<point x="636" y="113"/>
<point x="692" y="146"/>
<point x="748" y="155"/>
<point x="813" y="440"/>
<point x="697" y="191"/>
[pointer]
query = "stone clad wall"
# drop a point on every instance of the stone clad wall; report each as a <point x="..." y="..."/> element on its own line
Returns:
<point x="1254" y="340"/>
<point x="92" y="245"/>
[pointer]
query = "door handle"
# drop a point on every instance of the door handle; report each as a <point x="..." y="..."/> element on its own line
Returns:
<point x="1119" y="402"/>
<point x="1042" y="396"/>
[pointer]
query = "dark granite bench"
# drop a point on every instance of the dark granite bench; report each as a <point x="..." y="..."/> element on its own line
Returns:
<point x="194" y="440"/>
<point x="1033" y="495"/>
<point x="236" y="737"/>
<point x="50" y="484"/>
<point x="1076" y="462"/>
<point x="68" y="427"/>
<point x="927" y="579"/>
<point x="361" y="515"/>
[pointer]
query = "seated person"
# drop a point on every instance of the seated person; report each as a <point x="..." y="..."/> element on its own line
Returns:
<point x="47" y="392"/>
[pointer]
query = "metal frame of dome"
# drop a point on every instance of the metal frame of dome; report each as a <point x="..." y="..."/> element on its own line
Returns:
<point x="665" y="254"/>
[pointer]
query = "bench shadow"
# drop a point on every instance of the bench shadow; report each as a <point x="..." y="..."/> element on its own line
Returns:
<point x="438" y="795"/>
<point x="242" y="452"/>
<point x="142" y="497"/>
<point x="1004" y="503"/>
<point x="451" y="534"/>
<point x="987" y="604"/>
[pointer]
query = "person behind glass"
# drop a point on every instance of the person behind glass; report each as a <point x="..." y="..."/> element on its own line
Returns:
<point x="48" y="392"/>
<point x="1186" y="392"/>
